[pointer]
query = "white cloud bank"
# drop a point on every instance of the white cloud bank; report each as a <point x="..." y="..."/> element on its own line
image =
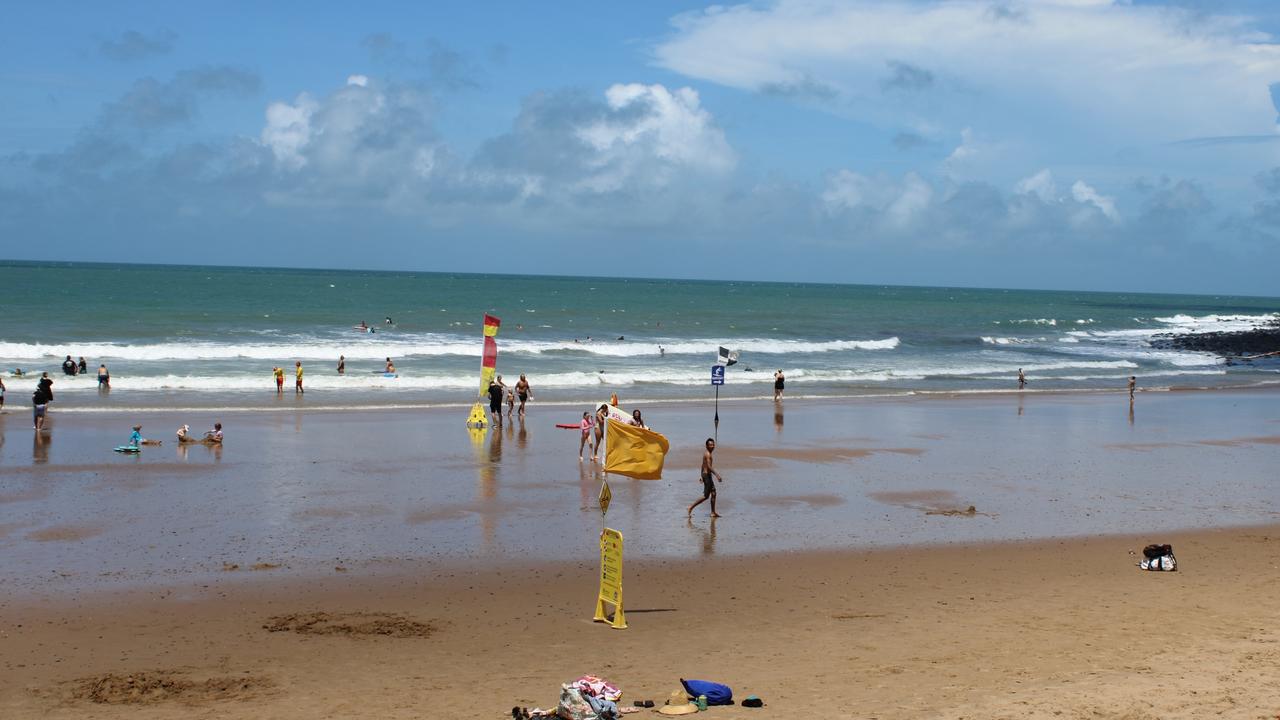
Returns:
<point x="1129" y="72"/>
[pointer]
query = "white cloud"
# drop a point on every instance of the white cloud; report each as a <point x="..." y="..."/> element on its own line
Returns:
<point x="897" y="203"/>
<point x="1041" y="185"/>
<point x="360" y="80"/>
<point x="1085" y="194"/>
<point x="650" y="120"/>
<point x="288" y="130"/>
<point x="1128" y="69"/>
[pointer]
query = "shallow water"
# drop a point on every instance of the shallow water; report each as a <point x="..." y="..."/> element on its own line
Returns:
<point x="353" y="489"/>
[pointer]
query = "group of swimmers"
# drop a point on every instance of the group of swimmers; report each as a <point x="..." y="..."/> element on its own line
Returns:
<point x="71" y="367"/>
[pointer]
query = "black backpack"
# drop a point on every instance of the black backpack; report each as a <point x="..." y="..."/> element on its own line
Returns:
<point x="1154" y="551"/>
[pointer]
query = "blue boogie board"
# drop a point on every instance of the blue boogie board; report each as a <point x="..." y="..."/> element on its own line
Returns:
<point x="128" y="449"/>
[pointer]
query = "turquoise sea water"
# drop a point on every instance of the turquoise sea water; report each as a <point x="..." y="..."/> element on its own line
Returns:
<point x="210" y="336"/>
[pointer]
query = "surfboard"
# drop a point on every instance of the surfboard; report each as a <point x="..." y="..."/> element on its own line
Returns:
<point x="128" y="449"/>
<point x="568" y="426"/>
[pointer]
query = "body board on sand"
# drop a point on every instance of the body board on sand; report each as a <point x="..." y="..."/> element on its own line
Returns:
<point x="128" y="449"/>
<point x="568" y="426"/>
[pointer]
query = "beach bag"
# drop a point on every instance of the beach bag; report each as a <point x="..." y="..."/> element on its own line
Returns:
<point x="1158" y="558"/>
<point x="716" y="693"/>
<point x="573" y="706"/>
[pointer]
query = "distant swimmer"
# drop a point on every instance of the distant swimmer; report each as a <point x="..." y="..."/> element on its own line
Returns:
<point x="342" y="364"/>
<point x="388" y="321"/>
<point x="362" y="326"/>
<point x="779" y="382"/>
<point x="17" y="372"/>
<point x="708" y="487"/>
<point x="1022" y="379"/>
<point x="69" y="366"/>
<point x="297" y="382"/>
<point x="621" y="337"/>
<point x="662" y="352"/>
<point x="390" y="366"/>
<point x="279" y="373"/>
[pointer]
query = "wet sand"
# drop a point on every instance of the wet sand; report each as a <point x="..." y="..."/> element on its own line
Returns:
<point x="945" y="557"/>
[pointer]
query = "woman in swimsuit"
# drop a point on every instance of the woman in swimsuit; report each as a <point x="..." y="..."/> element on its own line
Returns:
<point x="602" y="414"/>
<point x="586" y="435"/>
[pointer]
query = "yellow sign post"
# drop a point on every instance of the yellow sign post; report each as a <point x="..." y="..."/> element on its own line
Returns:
<point x="611" y="579"/>
<point x="606" y="496"/>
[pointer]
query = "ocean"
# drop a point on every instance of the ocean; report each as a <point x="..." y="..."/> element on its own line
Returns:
<point x="178" y="336"/>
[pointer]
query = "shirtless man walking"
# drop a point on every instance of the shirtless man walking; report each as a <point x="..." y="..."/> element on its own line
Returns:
<point x="708" y="487"/>
<point x="523" y="392"/>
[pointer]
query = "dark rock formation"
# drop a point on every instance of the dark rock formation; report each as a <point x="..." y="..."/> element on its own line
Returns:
<point x="1244" y="344"/>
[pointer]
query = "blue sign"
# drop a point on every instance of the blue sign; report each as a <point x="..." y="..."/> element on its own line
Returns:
<point x="717" y="374"/>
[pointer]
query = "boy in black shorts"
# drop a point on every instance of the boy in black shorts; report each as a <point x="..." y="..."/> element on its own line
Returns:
<point x="708" y="487"/>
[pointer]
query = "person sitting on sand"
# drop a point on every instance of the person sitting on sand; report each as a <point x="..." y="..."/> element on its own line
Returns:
<point x="184" y="434"/>
<point x="214" y="436"/>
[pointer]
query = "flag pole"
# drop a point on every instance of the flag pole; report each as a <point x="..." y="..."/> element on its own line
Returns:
<point x="717" y="418"/>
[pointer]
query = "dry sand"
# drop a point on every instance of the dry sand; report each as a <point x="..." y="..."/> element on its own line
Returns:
<point x="1051" y="629"/>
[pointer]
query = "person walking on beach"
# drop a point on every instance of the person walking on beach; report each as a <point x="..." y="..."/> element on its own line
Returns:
<point x="104" y="376"/>
<point x="524" y="392"/>
<point x="495" y="401"/>
<point x="586" y="436"/>
<point x="602" y="417"/>
<point x="342" y="364"/>
<point x="779" y="382"/>
<point x="297" y="382"/>
<point x="708" y="487"/>
<point x="39" y="407"/>
<point x="1133" y="385"/>
<point x="511" y="402"/>
<point x="279" y="373"/>
<point x="1022" y="379"/>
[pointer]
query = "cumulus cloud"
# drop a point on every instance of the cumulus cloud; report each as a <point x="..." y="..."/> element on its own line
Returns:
<point x="638" y="139"/>
<point x="1083" y="193"/>
<point x="1127" y="67"/>
<point x="133" y="45"/>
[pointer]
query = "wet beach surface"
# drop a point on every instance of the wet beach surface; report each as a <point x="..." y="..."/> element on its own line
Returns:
<point x="304" y="493"/>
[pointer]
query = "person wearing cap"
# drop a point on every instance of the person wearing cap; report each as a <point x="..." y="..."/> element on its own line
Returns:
<point x="184" y="434"/>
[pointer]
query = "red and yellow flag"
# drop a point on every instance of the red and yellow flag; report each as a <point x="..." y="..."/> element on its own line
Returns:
<point x="489" y="358"/>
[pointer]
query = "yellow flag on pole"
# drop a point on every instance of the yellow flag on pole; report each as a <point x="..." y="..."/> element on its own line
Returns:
<point x="634" y="451"/>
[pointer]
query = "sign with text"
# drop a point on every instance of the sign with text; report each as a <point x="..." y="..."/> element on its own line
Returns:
<point x="717" y="374"/>
<point x="610" y="579"/>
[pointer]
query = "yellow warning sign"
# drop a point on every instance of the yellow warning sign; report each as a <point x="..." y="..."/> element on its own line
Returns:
<point x="606" y="496"/>
<point x="611" y="579"/>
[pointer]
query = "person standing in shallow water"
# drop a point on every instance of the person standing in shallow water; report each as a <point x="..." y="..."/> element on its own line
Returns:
<point x="342" y="364"/>
<point x="779" y="382"/>
<point x="1022" y="379"/>
<point x="708" y="487"/>
<point x="1133" y="385"/>
<point x="524" y="392"/>
<point x="297" y="383"/>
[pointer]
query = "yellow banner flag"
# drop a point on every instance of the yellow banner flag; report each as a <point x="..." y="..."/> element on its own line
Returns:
<point x="634" y="451"/>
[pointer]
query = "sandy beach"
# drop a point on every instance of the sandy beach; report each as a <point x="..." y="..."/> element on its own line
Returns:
<point x="387" y="564"/>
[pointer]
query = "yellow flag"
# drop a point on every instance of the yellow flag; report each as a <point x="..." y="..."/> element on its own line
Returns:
<point x="634" y="452"/>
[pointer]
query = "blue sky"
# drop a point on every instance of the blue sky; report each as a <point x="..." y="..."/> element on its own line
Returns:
<point x="1070" y="144"/>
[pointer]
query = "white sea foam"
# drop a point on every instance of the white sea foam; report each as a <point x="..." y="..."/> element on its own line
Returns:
<point x="1010" y="340"/>
<point x="376" y="347"/>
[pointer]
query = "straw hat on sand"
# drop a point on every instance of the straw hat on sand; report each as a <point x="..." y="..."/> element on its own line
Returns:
<point x="678" y="704"/>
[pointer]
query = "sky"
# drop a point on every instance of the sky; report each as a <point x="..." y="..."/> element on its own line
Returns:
<point x="1057" y="144"/>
